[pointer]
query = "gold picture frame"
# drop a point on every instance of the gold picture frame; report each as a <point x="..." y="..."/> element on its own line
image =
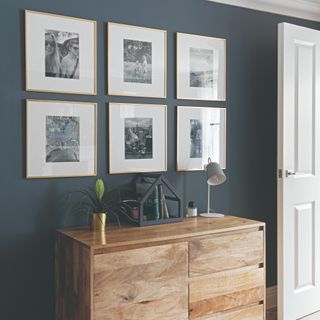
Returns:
<point x="183" y="161"/>
<point x="34" y="145"/>
<point x="43" y="84"/>
<point x="160" y="154"/>
<point x="116" y="65"/>
<point x="184" y="91"/>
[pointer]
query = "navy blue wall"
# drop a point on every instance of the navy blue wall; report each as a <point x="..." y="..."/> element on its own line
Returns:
<point x="32" y="209"/>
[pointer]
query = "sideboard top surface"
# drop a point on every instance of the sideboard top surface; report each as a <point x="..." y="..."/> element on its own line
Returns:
<point x="131" y="236"/>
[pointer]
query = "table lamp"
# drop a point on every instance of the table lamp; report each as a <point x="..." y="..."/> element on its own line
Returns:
<point x="215" y="176"/>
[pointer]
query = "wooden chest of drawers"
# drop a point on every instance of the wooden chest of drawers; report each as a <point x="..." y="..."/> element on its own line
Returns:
<point x="200" y="269"/>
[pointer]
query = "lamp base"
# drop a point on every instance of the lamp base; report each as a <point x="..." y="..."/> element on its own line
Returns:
<point x="212" y="215"/>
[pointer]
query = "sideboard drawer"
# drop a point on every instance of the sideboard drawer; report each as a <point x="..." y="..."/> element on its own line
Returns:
<point x="201" y="268"/>
<point x="254" y="312"/>
<point x="225" y="252"/>
<point x="146" y="283"/>
<point x="224" y="291"/>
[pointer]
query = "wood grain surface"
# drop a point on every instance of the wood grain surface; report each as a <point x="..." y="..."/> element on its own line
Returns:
<point x="223" y="291"/>
<point x="132" y="236"/>
<point x="73" y="291"/>
<point x="225" y="252"/>
<point x="148" y="283"/>
<point x="253" y="312"/>
<point x="200" y="268"/>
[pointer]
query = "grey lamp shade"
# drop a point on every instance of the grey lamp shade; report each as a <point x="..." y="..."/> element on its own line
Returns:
<point x="215" y="175"/>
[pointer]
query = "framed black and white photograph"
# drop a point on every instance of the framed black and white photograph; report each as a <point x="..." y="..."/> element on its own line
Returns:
<point x="201" y="134"/>
<point x="201" y="67"/>
<point x="136" y="61"/>
<point x="61" y="139"/>
<point x="60" y="53"/>
<point x="137" y="138"/>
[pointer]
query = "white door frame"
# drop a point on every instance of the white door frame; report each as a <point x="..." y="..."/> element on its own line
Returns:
<point x="298" y="182"/>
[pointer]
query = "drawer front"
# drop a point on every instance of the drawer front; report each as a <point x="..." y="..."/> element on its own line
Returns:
<point x="148" y="283"/>
<point x="225" y="252"/>
<point x="224" y="291"/>
<point x="255" y="312"/>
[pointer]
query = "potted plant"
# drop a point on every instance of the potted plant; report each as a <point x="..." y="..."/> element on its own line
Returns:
<point x="98" y="218"/>
<point x="92" y="203"/>
<point x="100" y="205"/>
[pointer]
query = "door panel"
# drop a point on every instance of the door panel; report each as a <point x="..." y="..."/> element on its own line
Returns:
<point x="304" y="263"/>
<point x="304" y="107"/>
<point x="298" y="158"/>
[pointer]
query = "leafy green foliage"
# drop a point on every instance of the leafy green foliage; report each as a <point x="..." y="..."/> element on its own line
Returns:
<point x="100" y="189"/>
<point x="98" y="200"/>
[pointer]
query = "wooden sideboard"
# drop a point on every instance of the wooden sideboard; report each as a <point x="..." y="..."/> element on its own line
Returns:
<point x="199" y="268"/>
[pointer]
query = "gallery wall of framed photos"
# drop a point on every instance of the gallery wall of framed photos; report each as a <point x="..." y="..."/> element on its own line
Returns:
<point x="61" y="55"/>
<point x="32" y="209"/>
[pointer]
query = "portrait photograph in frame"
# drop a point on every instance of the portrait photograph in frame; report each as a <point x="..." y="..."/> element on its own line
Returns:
<point x="137" y="61"/>
<point x="201" y="134"/>
<point x="137" y="138"/>
<point x="60" y="53"/>
<point x="201" y="67"/>
<point x="61" y="138"/>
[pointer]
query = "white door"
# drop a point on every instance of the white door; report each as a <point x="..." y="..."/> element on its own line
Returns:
<point x="298" y="171"/>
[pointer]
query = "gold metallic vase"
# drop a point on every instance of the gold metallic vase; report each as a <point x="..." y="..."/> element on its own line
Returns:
<point x="98" y="221"/>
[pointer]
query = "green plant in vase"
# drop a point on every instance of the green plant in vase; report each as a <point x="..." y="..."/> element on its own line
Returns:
<point x="100" y="205"/>
<point x="98" y="218"/>
<point x="93" y="204"/>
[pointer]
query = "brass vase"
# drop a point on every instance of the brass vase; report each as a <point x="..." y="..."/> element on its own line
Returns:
<point x="98" y="221"/>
